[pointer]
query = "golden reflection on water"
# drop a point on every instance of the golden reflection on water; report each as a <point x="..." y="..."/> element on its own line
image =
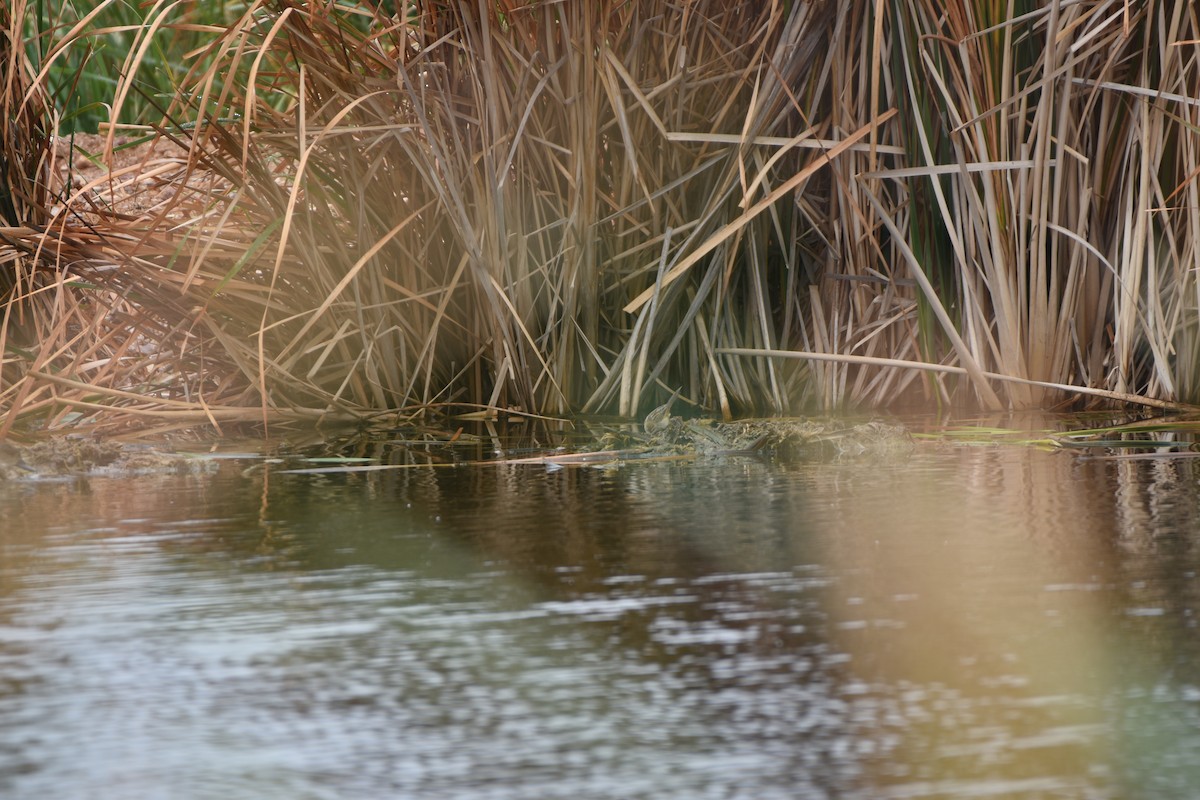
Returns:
<point x="987" y="593"/>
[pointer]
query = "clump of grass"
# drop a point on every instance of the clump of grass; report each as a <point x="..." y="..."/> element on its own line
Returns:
<point x="26" y="128"/>
<point x="455" y="208"/>
<point x="1051" y="163"/>
<point x="552" y="207"/>
<point x="27" y="122"/>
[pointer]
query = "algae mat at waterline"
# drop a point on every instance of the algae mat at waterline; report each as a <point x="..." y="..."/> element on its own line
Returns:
<point x="607" y="446"/>
<point x="588" y="445"/>
<point x="553" y="208"/>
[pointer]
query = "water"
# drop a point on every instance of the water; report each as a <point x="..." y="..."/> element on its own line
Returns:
<point x="962" y="622"/>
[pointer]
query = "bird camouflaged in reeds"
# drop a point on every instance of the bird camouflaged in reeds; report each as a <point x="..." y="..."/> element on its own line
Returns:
<point x="658" y="420"/>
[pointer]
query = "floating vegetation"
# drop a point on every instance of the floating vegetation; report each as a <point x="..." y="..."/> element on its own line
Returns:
<point x="785" y="438"/>
<point x="1159" y="438"/>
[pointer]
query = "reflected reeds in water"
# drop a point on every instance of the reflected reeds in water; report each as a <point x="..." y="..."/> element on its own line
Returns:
<point x="965" y="621"/>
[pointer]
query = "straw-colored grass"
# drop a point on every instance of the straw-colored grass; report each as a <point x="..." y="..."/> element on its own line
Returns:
<point x="558" y="207"/>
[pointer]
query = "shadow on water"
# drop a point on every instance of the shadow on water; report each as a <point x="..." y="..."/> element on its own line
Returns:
<point x="982" y="621"/>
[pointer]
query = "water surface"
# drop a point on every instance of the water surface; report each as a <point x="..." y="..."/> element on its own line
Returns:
<point x="958" y="622"/>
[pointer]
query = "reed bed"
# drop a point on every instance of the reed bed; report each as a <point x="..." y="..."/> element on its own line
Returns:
<point x="551" y="208"/>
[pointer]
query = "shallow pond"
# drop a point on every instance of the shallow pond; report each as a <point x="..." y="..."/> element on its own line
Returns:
<point x="960" y="621"/>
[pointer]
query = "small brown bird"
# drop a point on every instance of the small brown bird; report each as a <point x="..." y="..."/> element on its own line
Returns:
<point x="658" y="419"/>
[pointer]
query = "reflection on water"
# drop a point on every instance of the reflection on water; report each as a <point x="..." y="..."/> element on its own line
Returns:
<point x="962" y="622"/>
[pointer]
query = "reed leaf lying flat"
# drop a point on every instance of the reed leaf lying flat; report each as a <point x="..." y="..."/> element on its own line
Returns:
<point x="554" y="207"/>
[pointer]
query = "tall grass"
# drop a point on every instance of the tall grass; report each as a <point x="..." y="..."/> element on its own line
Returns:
<point x="83" y="50"/>
<point x="26" y="128"/>
<point x="557" y="207"/>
